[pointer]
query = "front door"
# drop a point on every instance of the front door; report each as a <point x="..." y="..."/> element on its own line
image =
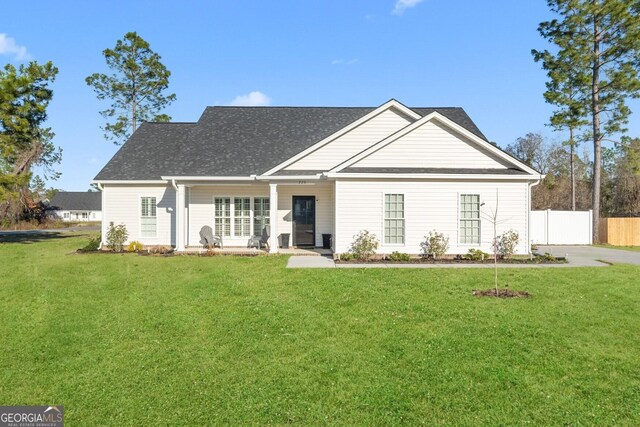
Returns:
<point x="304" y="220"/>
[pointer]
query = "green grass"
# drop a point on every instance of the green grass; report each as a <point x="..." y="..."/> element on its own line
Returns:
<point x="624" y="248"/>
<point x="130" y="340"/>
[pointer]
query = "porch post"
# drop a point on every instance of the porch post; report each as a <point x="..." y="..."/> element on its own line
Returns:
<point x="180" y="218"/>
<point x="273" y="218"/>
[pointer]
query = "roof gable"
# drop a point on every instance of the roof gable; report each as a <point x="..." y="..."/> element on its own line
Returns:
<point x="434" y="142"/>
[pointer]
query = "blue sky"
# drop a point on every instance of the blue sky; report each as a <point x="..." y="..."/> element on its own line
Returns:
<point x="468" y="53"/>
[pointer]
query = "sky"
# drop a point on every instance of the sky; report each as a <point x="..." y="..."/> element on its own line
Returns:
<point x="424" y="53"/>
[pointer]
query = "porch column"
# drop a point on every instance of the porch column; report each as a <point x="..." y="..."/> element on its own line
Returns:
<point x="180" y="218"/>
<point x="273" y="218"/>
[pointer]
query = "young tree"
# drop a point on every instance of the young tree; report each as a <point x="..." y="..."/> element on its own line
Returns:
<point x="135" y="87"/>
<point x="598" y="40"/>
<point x="24" y="141"/>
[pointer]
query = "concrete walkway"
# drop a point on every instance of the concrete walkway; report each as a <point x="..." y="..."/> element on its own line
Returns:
<point x="49" y="230"/>
<point x="579" y="256"/>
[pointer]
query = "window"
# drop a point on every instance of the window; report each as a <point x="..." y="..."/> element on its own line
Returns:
<point x="148" y="220"/>
<point x="66" y="214"/>
<point x="470" y="219"/>
<point x="242" y="216"/>
<point x="222" y="216"/>
<point x="394" y="218"/>
<point x="85" y="215"/>
<point x="260" y="215"/>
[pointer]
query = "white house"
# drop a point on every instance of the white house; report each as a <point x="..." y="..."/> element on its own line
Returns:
<point x="77" y="206"/>
<point x="395" y="171"/>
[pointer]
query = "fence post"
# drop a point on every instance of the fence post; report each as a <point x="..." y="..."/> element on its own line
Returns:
<point x="591" y="227"/>
<point x="546" y="227"/>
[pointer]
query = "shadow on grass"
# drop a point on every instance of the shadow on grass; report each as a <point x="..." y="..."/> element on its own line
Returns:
<point x="36" y="236"/>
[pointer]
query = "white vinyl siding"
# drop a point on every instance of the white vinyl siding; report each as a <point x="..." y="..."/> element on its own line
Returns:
<point x="353" y="142"/>
<point x="394" y="219"/>
<point x="431" y="146"/>
<point x="222" y="216"/>
<point x="470" y="219"/>
<point x="121" y="205"/>
<point x="261" y="208"/>
<point x="148" y="217"/>
<point x="242" y="216"/>
<point x="428" y="205"/>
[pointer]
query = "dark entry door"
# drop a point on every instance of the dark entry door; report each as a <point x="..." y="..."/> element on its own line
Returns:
<point x="304" y="220"/>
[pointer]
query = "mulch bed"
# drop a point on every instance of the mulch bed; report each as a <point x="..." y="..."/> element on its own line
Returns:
<point x="502" y="293"/>
<point x="423" y="260"/>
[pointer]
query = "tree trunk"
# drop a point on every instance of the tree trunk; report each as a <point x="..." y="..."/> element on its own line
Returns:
<point x="573" y="169"/>
<point x="597" y="139"/>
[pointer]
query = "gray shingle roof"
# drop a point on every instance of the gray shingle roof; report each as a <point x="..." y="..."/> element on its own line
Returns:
<point x="237" y="141"/>
<point x="77" y="201"/>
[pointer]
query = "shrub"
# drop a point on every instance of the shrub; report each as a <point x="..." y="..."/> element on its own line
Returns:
<point x="507" y="243"/>
<point x="364" y="245"/>
<point x="399" y="256"/>
<point x="94" y="244"/>
<point x="345" y="256"/>
<point x="435" y="244"/>
<point x="135" y="246"/>
<point x="477" y="255"/>
<point x="116" y="236"/>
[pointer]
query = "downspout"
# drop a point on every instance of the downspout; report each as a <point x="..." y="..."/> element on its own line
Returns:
<point x="102" y="223"/>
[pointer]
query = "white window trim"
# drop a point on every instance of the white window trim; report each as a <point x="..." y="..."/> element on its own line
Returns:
<point x="459" y="201"/>
<point x="232" y="212"/>
<point x="382" y="240"/>
<point x="140" y="236"/>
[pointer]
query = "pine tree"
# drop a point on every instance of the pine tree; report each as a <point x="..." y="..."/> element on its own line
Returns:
<point x="135" y="88"/>
<point x="598" y="51"/>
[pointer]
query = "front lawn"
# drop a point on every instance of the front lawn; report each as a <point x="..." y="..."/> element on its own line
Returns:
<point x="131" y="340"/>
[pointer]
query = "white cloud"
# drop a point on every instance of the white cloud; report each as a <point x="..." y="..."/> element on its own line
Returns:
<point x="252" y="99"/>
<point x="8" y="46"/>
<point x="402" y="5"/>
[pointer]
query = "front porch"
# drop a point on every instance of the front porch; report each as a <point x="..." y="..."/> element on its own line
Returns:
<point x="257" y="252"/>
<point x="300" y="213"/>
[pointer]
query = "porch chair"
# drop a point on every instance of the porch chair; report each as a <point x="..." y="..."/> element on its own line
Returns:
<point x="260" y="241"/>
<point x="208" y="240"/>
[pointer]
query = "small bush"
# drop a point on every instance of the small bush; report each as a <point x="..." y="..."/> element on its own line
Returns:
<point x="477" y="255"/>
<point x="345" y="256"/>
<point x="94" y="244"/>
<point x="399" y="256"/>
<point x="435" y="244"/>
<point x="135" y="246"/>
<point x="364" y="245"/>
<point x="507" y="243"/>
<point x="116" y="236"/>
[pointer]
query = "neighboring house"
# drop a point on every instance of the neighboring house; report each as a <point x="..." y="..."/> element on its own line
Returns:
<point x="77" y="206"/>
<point x="398" y="172"/>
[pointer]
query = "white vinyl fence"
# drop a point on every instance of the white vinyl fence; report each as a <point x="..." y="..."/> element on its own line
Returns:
<point x="561" y="227"/>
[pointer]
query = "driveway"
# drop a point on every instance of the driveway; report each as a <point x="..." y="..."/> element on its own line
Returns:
<point x="585" y="256"/>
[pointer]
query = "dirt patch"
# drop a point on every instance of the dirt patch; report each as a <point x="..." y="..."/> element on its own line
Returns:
<point x="502" y="293"/>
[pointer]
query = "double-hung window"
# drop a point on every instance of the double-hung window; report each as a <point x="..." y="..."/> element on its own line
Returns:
<point x="242" y="216"/>
<point x="148" y="219"/>
<point x="223" y="216"/>
<point x="260" y="215"/>
<point x="470" y="219"/>
<point x="394" y="219"/>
